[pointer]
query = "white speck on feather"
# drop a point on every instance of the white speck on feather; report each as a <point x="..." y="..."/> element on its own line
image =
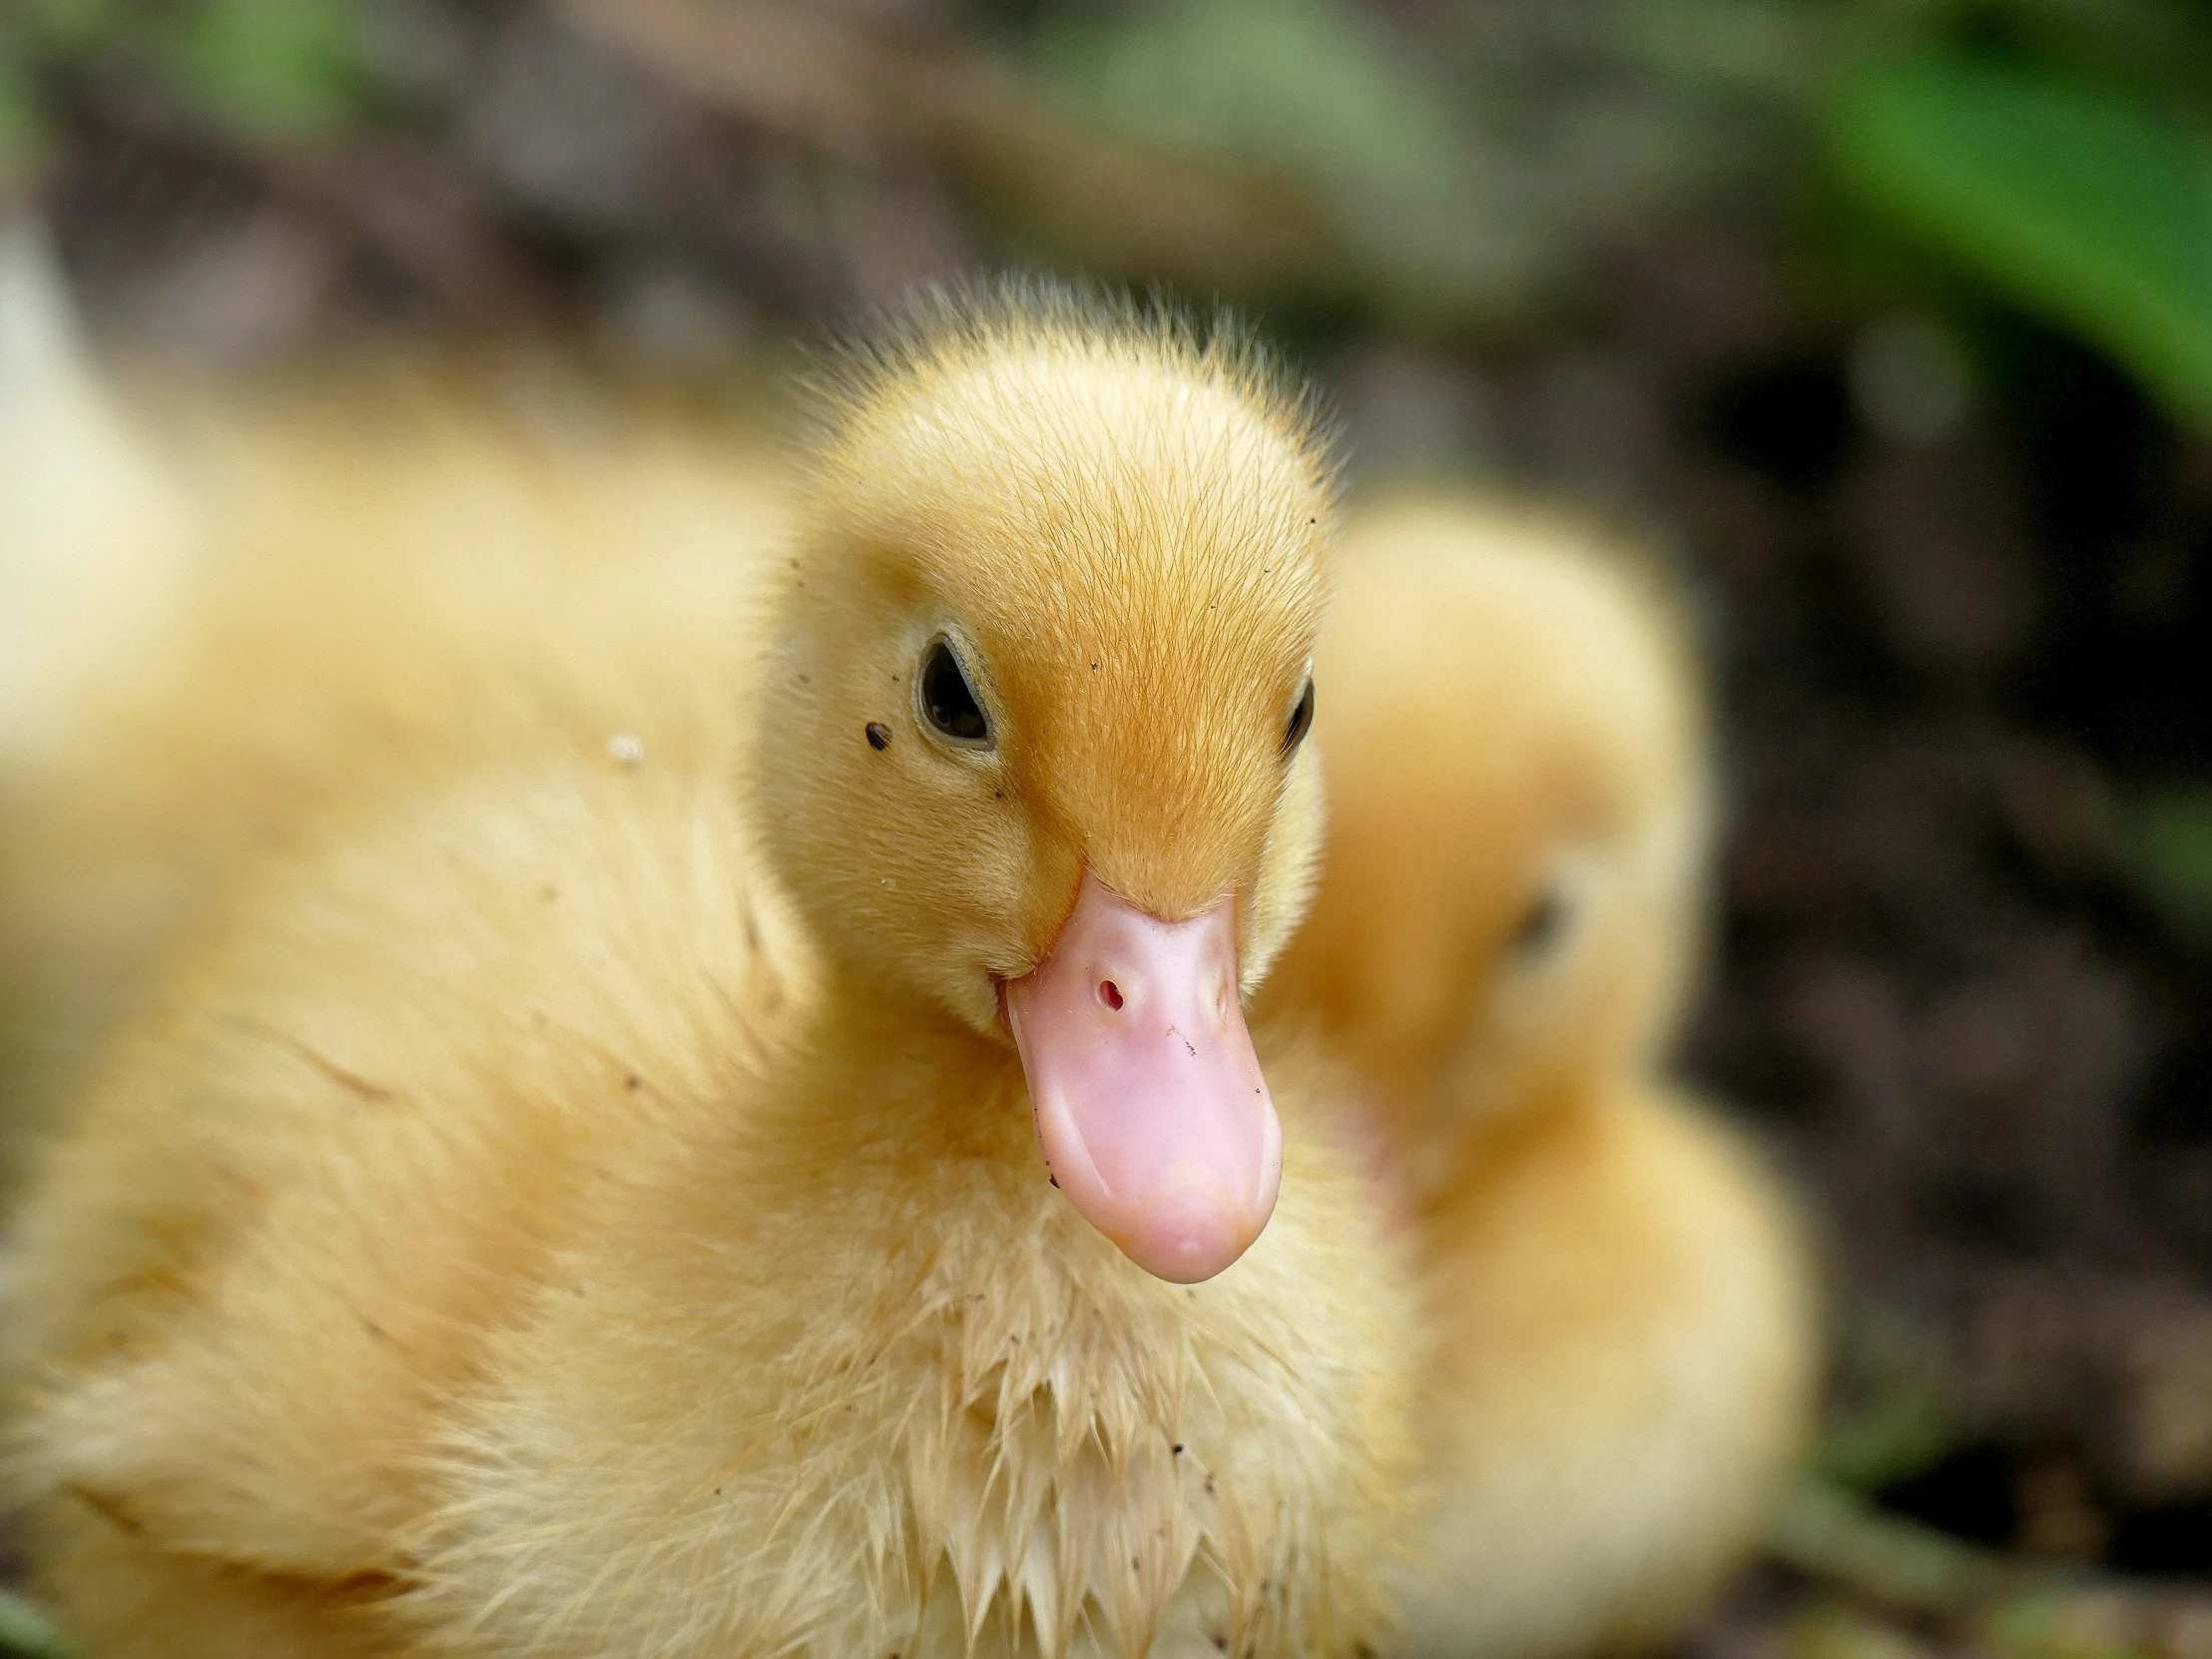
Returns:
<point x="626" y="748"/>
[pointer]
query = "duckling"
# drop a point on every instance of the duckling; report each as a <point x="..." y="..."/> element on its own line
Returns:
<point x="87" y="511"/>
<point x="463" y="1257"/>
<point x="1508" y="917"/>
<point x="316" y="576"/>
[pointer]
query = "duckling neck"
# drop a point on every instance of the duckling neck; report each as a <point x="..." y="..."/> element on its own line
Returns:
<point x="895" y="1077"/>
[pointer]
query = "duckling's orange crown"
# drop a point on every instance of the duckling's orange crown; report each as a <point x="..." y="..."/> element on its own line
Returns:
<point x="1122" y="519"/>
<point x="894" y="357"/>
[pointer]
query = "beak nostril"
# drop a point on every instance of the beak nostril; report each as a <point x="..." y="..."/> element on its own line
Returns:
<point x="1109" y="993"/>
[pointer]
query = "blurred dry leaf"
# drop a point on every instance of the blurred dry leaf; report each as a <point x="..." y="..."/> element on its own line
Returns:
<point x="1123" y="207"/>
<point x="1322" y="94"/>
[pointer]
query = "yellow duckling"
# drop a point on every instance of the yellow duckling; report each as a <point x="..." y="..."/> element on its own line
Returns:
<point x="252" y="605"/>
<point x="466" y="1258"/>
<point x="1508" y="915"/>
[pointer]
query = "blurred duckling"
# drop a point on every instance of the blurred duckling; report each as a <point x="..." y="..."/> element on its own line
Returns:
<point x="1508" y="917"/>
<point x="232" y="614"/>
<point x="459" y="1258"/>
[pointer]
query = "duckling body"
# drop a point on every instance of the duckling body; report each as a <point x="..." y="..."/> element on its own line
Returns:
<point x="603" y="1368"/>
<point x="1616" y="1288"/>
<point x="360" y="585"/>
<point x="581" y="1207"/>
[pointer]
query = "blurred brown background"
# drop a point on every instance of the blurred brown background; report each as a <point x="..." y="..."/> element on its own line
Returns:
<point x="1891" y="318"/>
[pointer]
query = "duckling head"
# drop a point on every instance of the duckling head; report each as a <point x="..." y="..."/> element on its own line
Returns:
<point x="1512" y="897"/>
<point x="1032" y="753"/>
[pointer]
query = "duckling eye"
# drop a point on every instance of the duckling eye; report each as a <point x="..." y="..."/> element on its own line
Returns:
<point x="1302" y="718"/>
<point x="1541" y="924"/>
<point x="949" y="700"/>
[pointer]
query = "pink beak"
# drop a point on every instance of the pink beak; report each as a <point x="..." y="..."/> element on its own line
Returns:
<point x="1148" y="1104"/>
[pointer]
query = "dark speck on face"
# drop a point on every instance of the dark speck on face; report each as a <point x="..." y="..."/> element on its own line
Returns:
<point x="878" y="735"/>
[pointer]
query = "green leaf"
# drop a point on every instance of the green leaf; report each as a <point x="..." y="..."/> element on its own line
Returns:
<point x="1899" y="1563"/>
<point x="66" y="28"/>
<point x="1892" y="1438"/>
<point x="27" y="1633"/>
<point x="1832" y="1632"/>
<point x="2089" y="210"/>
<point x="271" y="67"/>
<point x="19" y="123"/>
<point x="2166" y="853"/>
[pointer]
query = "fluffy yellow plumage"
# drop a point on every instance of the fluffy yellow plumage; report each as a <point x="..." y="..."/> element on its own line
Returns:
<point x="513" y="1227"/>
<point x="554" y="1180"/>
<point x="1510" y="906"/>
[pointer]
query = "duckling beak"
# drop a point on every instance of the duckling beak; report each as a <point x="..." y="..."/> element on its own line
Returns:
<point x="1147" y="1095"/>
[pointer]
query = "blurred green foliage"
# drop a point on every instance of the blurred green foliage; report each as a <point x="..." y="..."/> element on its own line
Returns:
<point x="283" y="68"/>
<point x="27" y="1633"/>
<point x="259" y="69"/>
<point x="2042" y="153"/>
<point x="2166" y="851"/>
<point x="1895" y="1436"/>
<point x="2087" y="208"/>
<point x="17" y="116"/>
<point x="1309" y="90"/>
<point x="2053" y="159"/>
<point x="1902" y="1564"/>
<point x="1833" y="1631"/>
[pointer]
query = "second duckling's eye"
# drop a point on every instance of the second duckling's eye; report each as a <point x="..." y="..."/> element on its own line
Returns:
<point x="1542" y="923"/>
<point x="1302" y="718"/>
<point x="949" y="701"/>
